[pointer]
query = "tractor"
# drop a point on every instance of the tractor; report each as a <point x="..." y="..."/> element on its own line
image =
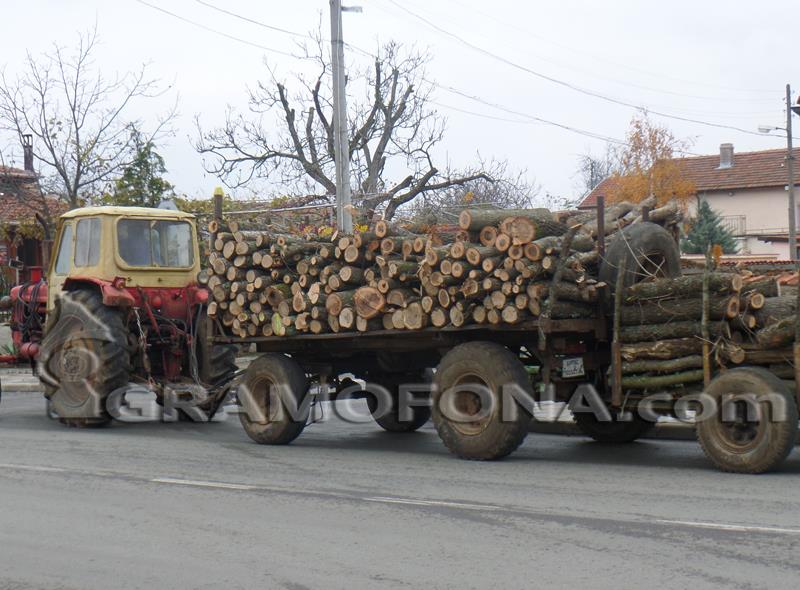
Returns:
<point x="121" y="305"/>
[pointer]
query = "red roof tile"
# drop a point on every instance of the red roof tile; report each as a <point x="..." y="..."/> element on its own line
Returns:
<point x="763" y="169"/>
<point x="21" y="197"/>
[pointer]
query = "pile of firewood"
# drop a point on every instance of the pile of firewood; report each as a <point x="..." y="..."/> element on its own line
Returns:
<point x="495" y="267"/>
<point x="662" y="333"/>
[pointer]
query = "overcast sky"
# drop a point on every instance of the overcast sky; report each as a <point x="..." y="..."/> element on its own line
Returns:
<point x="723" y="62"/>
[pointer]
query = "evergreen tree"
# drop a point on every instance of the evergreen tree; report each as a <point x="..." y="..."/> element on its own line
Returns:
<point x="707" y="230"/>
<point x="141" y="183"/>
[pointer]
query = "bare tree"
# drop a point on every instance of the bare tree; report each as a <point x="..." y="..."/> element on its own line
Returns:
<point x="78" y="118"/>
<point x="507" y="189"/>
<point x="592" y="169"/>
<point x="392" y="128"/>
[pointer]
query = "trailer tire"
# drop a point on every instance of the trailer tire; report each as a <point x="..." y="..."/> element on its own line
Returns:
<point x="647" y="249"/>
<point x="487" y="365"/>
<point x="273" y="398"/>
<point x="85" y="356"/>
<point x="390" y="420"/>
<point x="616" y="431"/>
<point x="741" y="446"/>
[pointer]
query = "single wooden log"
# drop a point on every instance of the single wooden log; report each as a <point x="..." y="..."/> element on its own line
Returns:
<point x="489" y="264"/>
<point x="768" y="287"/>
<point x="383" y="229"/>
<point x="516" y="252"/>
<point x="778" y="334"/>
<point x="347" y="318"/>
<point x="512" y="315"/>
<point x="488" y="235"/>
<point x="754" y="300"/>
<point x="776" y="309"/>
<point x="333" y="323"/>
<point x="300" y="302"/>
<point x="459" y="315"/>
<point x="369" y="325"/>
<point x="479" y="314"/>
<point x="457" y="250"/>
<point x="439" y="317"/>
<point x="414" y="317"/>
<point x="662" y="350"/>
<point x="659" y="312"/>
<point x="317" y="327"/>
<point x="564" y="310"/>
<point x="401" y="297"/>
<point x="669" y="330"/>
<point x="434" y="255"/>
<point x="665" y="366"/>
<point x="443" y="297"/>
<point x="338" y="301"/>
<point x="446" y="267"/>
<point x="659" y="381"/>
<point x="369" y="302"/>
<point x="686" y="286"/>
<point x="477" y="254"/>
<point x="502" y="242"/>
<point x="351" y="275"/>
<point x="477" y="219"/>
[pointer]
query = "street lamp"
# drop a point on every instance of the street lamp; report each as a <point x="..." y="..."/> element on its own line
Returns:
<point x="789" y="168"/>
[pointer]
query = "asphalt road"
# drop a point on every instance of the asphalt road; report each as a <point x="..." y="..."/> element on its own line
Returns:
<point x="348" y="506"/>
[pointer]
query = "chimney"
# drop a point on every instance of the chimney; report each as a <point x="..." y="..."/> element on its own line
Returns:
<point x="27" y="151"/>
<point x="725" y="156"/>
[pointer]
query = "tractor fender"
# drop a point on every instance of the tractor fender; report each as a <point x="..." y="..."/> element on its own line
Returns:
<point x="112" y="296"/>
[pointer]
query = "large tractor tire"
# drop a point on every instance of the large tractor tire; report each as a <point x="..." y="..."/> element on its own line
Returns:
<point x="390" y="419"/>
<point x="217" y="362"/>
<point x="616" y="431"/>
<point x="743" y="441"/>
<point x="487" y="367"/>
<point x="274" y="400"/>
<point x="85" y="356"/>
<point x="647" y="250"/>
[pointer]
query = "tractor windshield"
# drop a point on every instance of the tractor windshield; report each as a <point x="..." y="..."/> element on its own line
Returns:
<point x="159" y="243"/>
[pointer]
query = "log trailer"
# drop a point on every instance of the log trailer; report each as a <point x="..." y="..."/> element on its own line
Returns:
<point x="122" y="303"/>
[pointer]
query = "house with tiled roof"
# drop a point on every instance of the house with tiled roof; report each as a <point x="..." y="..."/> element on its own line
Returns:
<point x="22" y="235"/>
<point x="749" y="190"/>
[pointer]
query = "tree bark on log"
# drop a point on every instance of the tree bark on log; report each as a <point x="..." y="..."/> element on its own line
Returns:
<point x="661" y="312"/>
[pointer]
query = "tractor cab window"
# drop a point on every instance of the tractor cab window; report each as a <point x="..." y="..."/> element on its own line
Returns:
<point x="64" y="250"/>
<point x="159" y="243"/>
<point x="87" y="242"/>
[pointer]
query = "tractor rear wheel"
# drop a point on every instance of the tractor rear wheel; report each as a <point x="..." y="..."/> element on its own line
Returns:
<point x="85" y="356"/>
<point x="216" y="362"/>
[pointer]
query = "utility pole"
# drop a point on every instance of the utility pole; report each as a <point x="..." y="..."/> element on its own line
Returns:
<point x="790" y="170"/>
<point x="341" y="143"/>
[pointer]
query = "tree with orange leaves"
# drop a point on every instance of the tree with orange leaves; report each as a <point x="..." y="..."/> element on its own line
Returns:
<point x="647" y="165"/>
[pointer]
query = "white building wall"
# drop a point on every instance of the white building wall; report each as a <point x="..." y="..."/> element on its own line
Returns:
<point x="750" y="212"/>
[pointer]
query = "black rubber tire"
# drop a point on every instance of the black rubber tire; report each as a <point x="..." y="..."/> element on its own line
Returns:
<point x="616" y="431"/>
<point x="95" y="337"/>
<point x="495" y="366"/>
<point x="772" y="442"/>
<point x="216" y="364"/>
<point x="277" y="425"/>
<point x="646" y="248"/>
<point x="390" y="420"/>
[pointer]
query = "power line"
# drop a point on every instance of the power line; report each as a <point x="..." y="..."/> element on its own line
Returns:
<point x="562" y="83"/>
<point x="216" y="31"/>
<point x="249" y="20"/>
<point x="594" y="55"/>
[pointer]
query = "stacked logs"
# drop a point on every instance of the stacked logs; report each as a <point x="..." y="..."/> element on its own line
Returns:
<point x="749" y="322"/>
<point x="495" y="267"/>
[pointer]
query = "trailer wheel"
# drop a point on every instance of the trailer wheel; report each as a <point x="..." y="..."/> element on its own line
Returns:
<point x="615" y="431"/>
<point x="85" y="356"/>
<point x="754" y="441"/>
<point x="647" y="249"/>
<point x="391" y="420"/>
<point x="274" y="401"/>
<point x="470" y="382"/>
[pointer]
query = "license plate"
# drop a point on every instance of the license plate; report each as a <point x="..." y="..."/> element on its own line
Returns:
<point x="572" y="368"/>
